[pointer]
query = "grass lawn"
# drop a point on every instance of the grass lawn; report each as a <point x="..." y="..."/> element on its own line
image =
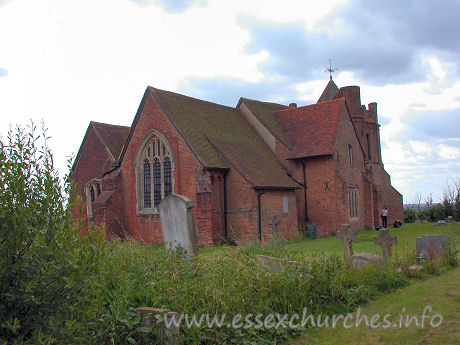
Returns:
<point x="365" y="243"/>
<point x="442" y="293"/>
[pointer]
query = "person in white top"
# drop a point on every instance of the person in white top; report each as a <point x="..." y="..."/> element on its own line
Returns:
<point x="384" y="216"/>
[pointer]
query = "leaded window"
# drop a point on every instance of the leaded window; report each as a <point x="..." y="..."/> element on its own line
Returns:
<point x="353" y="205"/>
<point x="147" y="185"/>
<point x="157" y="182"/>
<point x="167" y="176"/>
<point x="156" y="174"/>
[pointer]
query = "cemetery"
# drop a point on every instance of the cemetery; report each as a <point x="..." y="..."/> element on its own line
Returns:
<point x="64" y="286"/>
<point x="274" y="277"/>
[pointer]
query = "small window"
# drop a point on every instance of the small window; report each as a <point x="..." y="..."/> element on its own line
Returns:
<point x="353" y="205"/>
<point x="92" y="189"/>
<point x="350" y="155"/>
<point x="92" y="194"/>
<point x="285" y="204"/>
<point x="368" y="141"/>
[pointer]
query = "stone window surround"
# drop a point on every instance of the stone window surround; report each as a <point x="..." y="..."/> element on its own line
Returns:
<point x="350" y="155"/>
<point x="353" y="202"/>
<point x="89" y="204"/>
<point x="139" y="170"/>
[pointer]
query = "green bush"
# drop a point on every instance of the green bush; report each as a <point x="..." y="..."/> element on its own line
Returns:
<point x="409" y="216"/>
<point x="46" y="268"/>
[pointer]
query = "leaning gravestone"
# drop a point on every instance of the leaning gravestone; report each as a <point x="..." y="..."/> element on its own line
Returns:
<point x="360" y="260"/>
<point x="177" y="223"/>
<point x="385" y="241"/>
<point x="347" y="236"/>
<point x="431" y="245"/>
<point x="275" y="264"/>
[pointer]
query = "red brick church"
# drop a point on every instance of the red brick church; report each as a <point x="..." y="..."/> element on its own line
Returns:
<point x="244" y="167"/>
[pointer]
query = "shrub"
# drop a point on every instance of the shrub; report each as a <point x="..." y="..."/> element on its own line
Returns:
<point x="409" y="216"/>
<point x="45" y="268"/>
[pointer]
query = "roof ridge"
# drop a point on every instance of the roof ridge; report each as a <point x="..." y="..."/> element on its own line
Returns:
<point x="266" y="102"/>
<point x="153" y="89"/>
<point x="108" y="124"/>
<point x="337" y="100"/>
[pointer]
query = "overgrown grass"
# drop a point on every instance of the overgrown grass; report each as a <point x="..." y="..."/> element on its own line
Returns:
<point x="234" y="283"/>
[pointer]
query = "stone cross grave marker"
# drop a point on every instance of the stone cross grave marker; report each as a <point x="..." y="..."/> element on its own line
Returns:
<point x="385" y="241"/>
<point x="274" y="222"/>
<point x="347" y="236"/>
<point x="177" y="223"/>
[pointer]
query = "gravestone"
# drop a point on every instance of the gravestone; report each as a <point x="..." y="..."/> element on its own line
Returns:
<point x="347" y="236"/>
<point x="385" y="241"/>
<point x="177" y="223"/>
<point x="167" y="333"/>
<point x="274" y="222"/>
<point x="431" y="245"/>
<point x="275" y="264"/>
<point x="360" y="260"/>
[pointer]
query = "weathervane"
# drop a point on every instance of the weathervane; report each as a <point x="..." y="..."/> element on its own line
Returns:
<point x="330" y="69"/>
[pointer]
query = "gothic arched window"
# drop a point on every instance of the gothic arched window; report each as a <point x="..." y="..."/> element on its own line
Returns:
<point x="353" y="206"/>
<point x="155" y="173"/>
<point x="93" y="189"/>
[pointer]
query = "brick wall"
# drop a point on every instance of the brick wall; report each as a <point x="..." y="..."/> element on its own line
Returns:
<point x="186" y="181"/>
<point x="93" y="161"/>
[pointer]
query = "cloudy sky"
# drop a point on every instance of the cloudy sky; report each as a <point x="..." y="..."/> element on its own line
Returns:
<point x="70" y="62"/>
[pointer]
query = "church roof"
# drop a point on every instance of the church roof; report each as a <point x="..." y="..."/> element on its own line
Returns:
<point x="329" y="92"/>
<point x="222" y="138"/>
<point x="264" y="112"/>
<point x="112" y="136"/>
<point x="312" y="130"/>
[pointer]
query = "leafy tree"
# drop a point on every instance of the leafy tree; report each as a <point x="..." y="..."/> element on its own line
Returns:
<point x="410" y="216"/>
<point x="46" y="268"/>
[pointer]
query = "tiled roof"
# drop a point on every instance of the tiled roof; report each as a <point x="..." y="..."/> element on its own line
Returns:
<point x="264" y="112"/>
<point x="112" y="136"/>
<point x="329" y="92"/>
<point x="221" y="137"/>
<point x="312" y="130"/>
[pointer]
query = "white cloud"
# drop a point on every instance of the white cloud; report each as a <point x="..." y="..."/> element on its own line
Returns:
<point x="448" y="152"/>
<point x="71" y="62"/>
